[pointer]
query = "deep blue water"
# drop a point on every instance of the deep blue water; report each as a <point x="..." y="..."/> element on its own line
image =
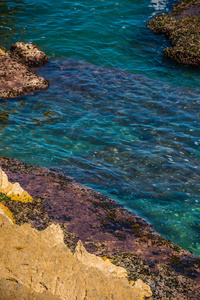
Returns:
<point x="118" y="116"/>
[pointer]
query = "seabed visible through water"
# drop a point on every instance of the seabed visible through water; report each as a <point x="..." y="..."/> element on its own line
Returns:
<point x="117" y="116"/>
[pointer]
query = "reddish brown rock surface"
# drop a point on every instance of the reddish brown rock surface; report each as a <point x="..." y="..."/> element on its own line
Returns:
<point x="16" y="79"/>
<point x="31" y="54"/>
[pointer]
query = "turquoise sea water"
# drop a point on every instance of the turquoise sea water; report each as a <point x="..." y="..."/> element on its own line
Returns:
<point x="118" y="116"/>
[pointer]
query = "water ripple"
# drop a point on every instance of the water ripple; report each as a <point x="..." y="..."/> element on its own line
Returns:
<point x="131" y="137"/>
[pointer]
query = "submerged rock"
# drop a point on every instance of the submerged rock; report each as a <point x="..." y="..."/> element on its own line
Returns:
<point x="13" y="190"/>
<point x="182" y="29"/>
<point x="16" y="79"/>
<point x="41" y="261"/>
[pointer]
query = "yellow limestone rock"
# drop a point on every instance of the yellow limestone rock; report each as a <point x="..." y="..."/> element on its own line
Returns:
<point x="94" y="261"/>
<point x="42" y="262"/>
<point x="13" y="190"/>
<point x="5" y="210"/>
<point x="143" y="287"/>
<point x="12" y="290"/>
<point x="2" y="52"/>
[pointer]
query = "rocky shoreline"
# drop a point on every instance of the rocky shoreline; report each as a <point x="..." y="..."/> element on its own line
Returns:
<point x="38" y="265"/>
<point x="181" y="28"/>
<point x="105" y="228"/>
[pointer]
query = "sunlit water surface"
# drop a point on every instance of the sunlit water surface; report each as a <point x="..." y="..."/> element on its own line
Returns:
<point x="117" y="116"/>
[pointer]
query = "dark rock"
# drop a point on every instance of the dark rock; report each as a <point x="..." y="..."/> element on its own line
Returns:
<point x="182" y="29"/>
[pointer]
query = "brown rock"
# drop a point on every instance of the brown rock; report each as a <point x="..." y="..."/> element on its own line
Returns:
<point x="17" y="80"/>
<point x="42" y="262"/>
<point x="182" y="29"/>
<point x="31" y="54"/>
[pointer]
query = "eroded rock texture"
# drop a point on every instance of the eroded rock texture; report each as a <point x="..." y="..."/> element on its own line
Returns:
<point x="31" y="54"/>
<point x="41" y="261"/>
<point x="16" y="79"/>
<point x="13" y="290"/>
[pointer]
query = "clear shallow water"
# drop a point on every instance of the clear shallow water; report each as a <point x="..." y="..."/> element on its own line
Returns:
<point x="117" y="116"/>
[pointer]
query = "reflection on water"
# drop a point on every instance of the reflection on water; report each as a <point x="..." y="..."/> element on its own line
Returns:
<point x="129" y="136"/>
<point x="161" y="6"/>
<point x="158" y="4"/>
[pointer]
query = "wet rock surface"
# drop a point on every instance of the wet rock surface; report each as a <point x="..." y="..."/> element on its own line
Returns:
<point x="182" y="29"/>
<point x="16" y="79"/>
<point x="105" y="228"/>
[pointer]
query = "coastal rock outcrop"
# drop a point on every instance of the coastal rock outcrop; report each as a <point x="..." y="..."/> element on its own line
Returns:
<point x="16" y="79"/>
<point x="182" y="29"/>
<point x="31" y="54"/>
<point x="13" y="190"/>
<point x="94" y="261"/>
<point x="42" y="262"/>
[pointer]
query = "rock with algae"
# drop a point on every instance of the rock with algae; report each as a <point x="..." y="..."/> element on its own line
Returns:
<point x="182" y="29"/>
<point x="42" y="262"/>
<point x="13" y="190"/>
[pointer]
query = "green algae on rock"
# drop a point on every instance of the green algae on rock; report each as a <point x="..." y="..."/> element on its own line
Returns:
<point x="182" y="28"/>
